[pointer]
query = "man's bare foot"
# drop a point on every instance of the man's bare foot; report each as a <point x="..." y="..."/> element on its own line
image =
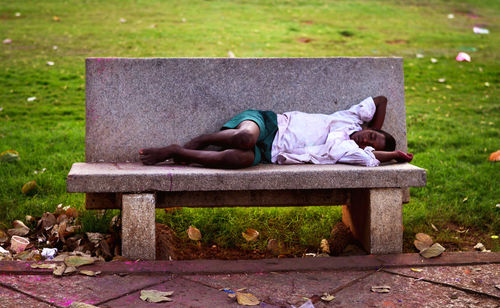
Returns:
<point x="404" y="157"/>
<point x="153" y="156"/>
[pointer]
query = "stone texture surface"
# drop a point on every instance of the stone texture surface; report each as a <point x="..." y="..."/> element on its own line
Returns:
<point x="78" y="288"/>
<point x="282" y="289"/>
<point x="482" y="278"/>
<point x="9" y="298"/>
<point x="277" y="282"/>
<point x="136" y="103"/>
<point x="375" y="217"/>
<point x="186" y="294"/>
<point x="135" y="177"/>
<point x="406" y="292"/>
<point x="138" y="226"/>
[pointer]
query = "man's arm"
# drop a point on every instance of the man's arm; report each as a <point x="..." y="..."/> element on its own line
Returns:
<point x="379" y="116"/>
<point x="399" y="156"/>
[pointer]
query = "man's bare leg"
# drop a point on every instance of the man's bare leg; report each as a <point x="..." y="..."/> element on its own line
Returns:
<point x="227" y="159"/>
<point x="243" y="137"/>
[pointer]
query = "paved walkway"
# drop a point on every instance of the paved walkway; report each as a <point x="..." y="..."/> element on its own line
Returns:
<point x="451" y="280"/>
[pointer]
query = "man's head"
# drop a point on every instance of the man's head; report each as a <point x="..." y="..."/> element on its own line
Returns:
<point x="376" y="138"/>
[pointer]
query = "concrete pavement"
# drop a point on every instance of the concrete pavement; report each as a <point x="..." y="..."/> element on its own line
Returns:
<point x="451" y="280"/>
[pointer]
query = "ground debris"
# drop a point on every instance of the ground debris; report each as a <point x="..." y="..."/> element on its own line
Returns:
<point x="193" y="233"/>
<point x="250" y="235"/>
<point x="381" y="289"/>
<point x="154" y="296"/>
<point x="247" y="299"/>
<point x="434" y="251"/>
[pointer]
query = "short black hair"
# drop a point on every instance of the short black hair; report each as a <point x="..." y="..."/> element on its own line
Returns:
<point x="390" y="142"/>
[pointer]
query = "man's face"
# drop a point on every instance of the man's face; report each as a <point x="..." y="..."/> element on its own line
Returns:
<point x="368" y="137"/>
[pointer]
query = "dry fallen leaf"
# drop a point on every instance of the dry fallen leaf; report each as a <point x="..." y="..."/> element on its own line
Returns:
<point x="20" y="229"/>
<point x="193" y="233"/>
<point x="48" y="220"/>
<point x="433" y="251"/>
<point x="381" y="289"/>
<point x="3" y="236"/>
<point x="29" y="188"/>
<point x="327" y="297"/>
<point x="434" y="227"/>
<point x="44" y="265"/>
<point x="77" y="261"/>
<point x="423" y="241"/>
<point x="81" y="305"/>
<point x="324" y="246"/>
<point x="59" y="270"/>
<point x="250" y="235"/>
<point x="247" y="299"/>
<point x="154" y="296"/>
<point x="69" y="270"/>
<point x="9" y="156"/>
<point x="89" y="273"/>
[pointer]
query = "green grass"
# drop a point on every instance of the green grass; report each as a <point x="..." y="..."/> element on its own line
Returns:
<point x="452" y="126"/>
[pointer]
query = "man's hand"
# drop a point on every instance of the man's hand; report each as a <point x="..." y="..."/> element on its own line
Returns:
<point x="399" y="156"/>
<point x="403" y="157"/>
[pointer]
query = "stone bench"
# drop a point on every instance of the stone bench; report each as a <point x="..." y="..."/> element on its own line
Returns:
<point x="138" y="103"/>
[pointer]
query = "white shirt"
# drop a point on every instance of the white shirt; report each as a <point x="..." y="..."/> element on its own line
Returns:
<point x="323" y="139"/>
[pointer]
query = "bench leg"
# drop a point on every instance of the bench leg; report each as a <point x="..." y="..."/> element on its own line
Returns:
<point x="138" y="226"/>
<point x="375" y="217"/>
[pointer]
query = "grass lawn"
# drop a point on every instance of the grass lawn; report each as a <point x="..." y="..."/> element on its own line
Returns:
<point x="453" y="111"/>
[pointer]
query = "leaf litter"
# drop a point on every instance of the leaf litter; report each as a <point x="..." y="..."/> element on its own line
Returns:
<point x="425" y="246"/>
<point x="246" y="299"/>
<point x="155" y="296"/>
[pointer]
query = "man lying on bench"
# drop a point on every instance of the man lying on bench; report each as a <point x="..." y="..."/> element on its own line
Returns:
<point x="291" y="138"/>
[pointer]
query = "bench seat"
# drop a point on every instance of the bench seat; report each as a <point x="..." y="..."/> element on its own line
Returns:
<point x="135" y="177"/>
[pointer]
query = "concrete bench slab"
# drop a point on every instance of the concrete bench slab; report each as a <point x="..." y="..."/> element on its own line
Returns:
<point x="135" y="177"/>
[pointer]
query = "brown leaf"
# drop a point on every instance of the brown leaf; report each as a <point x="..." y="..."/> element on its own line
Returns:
<point x="29" y="188"/>
<point x="59" y="270"/>
<point x="247" y="299"/>
<point x="69" y="270"/>
<point x="77" y="261"/>
<point x="72" y="212"/>
<point x="250" y="235"/>
<point x="381" y="289"/>
<point x="89" y="273"/>
<point x="62" y="231"/>
<point x="3" y="236"/>
<point x="433" y="251"/>
<point x="44" y="265"/>
<point x="423" y="241"/>
<point x="155" y="296"/>
<point x="61" y="218"/>
<point x="20" y="229"/>
<point x="48" y="220"/>
<point x="193" y="233"/>
<point x="324" y="246"/>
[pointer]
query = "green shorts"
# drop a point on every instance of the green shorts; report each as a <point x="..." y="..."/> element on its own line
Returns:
<point x="268" y="125"/>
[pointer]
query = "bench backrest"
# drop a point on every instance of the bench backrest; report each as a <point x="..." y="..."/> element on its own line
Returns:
<point x="152" y="102"/>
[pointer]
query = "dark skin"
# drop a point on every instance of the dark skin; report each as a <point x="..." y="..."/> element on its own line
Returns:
<point x="239" y="143"/>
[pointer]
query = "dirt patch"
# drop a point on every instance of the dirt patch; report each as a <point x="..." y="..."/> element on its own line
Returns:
<point x="397" y="42"/>
<point x="170" y="247"/>
<point x="304" y="40"/>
